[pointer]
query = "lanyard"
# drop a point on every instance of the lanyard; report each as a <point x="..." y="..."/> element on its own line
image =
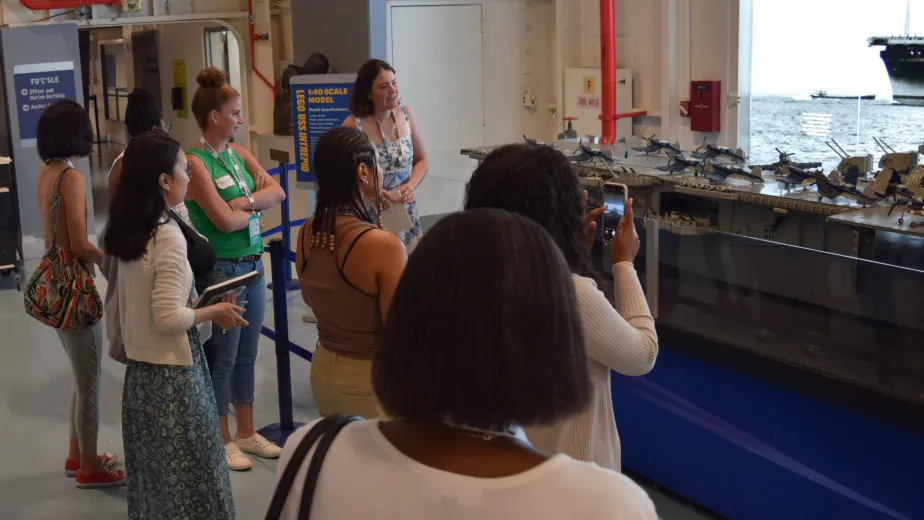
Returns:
<point x="394" y="123"/>
<point x="236" y="171"/>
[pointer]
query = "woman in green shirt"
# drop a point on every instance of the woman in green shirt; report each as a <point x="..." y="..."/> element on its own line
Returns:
<point x="228" y="191"/>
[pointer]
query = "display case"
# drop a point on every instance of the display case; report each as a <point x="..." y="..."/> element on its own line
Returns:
<point x="791" y="358"/>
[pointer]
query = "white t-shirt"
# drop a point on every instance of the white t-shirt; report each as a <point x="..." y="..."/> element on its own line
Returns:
<point x="365" y="476"/>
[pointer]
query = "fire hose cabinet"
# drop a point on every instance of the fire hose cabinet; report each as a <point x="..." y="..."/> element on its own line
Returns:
<point x="705" y="106"/>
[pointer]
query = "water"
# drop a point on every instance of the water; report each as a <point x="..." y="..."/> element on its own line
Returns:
<point x="802" y="127"/>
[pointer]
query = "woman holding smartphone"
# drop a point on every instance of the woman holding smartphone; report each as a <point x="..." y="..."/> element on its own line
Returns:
<point x="539" y="182"/>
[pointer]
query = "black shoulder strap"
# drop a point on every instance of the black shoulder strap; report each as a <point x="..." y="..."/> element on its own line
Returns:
<point x="325" y="431"/>
<point x="353" y="243"/>
<point x="342" y="266"/>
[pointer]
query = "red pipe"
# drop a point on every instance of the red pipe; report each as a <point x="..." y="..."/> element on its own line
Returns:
<point x="608" y="70"/>
<point x="254" y="37"/>
<point x="608" y="74"/>
<point x="635" y="113"/>
<point x="44" y="5"/>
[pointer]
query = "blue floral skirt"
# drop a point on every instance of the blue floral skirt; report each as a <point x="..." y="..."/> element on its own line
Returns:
<point x="174" y="458"/>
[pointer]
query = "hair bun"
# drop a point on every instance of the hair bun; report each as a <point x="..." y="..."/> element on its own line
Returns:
<point x="211" y="78"/>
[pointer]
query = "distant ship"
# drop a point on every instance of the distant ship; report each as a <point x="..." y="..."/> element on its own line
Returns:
<point x="821" y="94"/>
<point x="904" y="60"/>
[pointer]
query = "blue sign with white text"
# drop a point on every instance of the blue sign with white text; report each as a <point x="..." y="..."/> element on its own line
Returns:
<point x="316" y="108"/>
<point x="37" y="86"/>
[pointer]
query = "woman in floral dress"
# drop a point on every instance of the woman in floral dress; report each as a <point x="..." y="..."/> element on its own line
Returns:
<point x="377" y="111"/>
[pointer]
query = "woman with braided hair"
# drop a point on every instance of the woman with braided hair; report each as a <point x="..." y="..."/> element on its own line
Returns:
<point x="348" y="268"/>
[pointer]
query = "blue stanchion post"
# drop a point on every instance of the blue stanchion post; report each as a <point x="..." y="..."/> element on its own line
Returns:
<point x="282" y="158"/>
<point x="280" y="431"/>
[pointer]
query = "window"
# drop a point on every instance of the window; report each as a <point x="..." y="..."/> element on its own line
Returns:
<point x="831" y="78"/>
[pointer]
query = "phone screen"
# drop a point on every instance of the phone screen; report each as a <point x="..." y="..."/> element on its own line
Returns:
<point x="614" y="196"/>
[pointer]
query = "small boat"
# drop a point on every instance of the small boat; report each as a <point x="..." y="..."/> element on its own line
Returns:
<point x="821" y="94"/>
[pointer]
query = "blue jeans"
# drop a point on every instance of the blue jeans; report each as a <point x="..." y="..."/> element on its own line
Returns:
<point x="236" y="349"/>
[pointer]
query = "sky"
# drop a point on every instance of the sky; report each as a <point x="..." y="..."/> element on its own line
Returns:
<point x="800" y="46"/>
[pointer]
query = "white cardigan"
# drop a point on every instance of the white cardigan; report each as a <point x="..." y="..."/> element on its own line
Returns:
<point x="621" y="339"/>
<point x="153" y="293"/>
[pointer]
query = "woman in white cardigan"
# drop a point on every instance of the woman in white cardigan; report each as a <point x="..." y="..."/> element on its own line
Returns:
<point x="173" y="451"/>
<point x="540" y="183"/>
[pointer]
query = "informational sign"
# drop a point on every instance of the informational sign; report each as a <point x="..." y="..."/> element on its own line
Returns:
<point x="319" y="102"/>
<point x="179" y="84"/>
<point x="37" y="86"/>
<point x="588" y="102"/>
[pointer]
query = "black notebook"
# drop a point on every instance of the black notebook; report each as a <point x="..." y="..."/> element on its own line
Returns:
<point x="220" y="291"/>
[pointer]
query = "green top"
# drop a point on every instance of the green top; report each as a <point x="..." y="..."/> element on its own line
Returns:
<point x="232" y="245"/>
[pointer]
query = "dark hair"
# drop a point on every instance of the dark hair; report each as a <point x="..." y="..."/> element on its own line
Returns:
<point x="64" y="131"/>
<point x="540" y="183"/>
<point x="484" y="328"/>
<point x="142" y="113"/>
<point x="138" y="206"/>
<point x="337" y="155"/>
<point x="360" y="104"/>
<point x="317" y="63"/>
<point x="213" y="92"/>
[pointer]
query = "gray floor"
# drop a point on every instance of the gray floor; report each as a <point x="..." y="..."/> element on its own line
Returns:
<point x="35" y="382"/>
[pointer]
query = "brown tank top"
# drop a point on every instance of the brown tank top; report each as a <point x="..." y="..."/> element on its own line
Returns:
<point x="349" y="320"/>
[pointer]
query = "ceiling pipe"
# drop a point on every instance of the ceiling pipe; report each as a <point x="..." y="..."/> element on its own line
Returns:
<point x="44" y="5"/>
<point x="608" y="74"/>
<point x="254" y="38"/>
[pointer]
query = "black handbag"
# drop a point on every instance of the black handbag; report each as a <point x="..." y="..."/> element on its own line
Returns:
<point x="323" y="434"/>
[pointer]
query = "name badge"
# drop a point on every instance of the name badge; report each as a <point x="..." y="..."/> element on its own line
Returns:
<point x="253" y="225"/>
<point x="224" y="182"/>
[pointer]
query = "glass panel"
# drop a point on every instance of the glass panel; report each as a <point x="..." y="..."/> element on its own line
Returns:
<point x="843" y="317"/>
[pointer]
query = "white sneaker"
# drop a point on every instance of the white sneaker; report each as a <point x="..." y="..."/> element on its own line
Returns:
<point x="237" y="461"/>
<point x="258" y="445"/>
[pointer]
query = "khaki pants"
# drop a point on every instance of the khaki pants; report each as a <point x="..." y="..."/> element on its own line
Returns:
<point x="343" y="385"/>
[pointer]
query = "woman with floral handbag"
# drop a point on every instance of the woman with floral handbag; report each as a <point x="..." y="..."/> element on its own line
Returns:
<point x="61" y="292"/>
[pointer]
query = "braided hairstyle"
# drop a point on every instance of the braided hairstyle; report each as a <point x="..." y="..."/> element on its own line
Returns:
<point x="337" y="156"/>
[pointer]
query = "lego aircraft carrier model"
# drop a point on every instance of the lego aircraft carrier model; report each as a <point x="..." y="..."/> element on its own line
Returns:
<point x="716" y="172"/>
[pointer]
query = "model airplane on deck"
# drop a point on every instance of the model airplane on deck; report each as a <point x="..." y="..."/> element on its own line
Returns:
<point x="585" y="154"/>
<point x="711" y="151"/>
<point x="656" y="145"/>
<point x="719" y="173"/>
<point x="832" y="190"/>
<point x="911" y="205"/>
<point x="792" y="175"/>
<point x="678" y="163"/>
<point x="784" y="161"/>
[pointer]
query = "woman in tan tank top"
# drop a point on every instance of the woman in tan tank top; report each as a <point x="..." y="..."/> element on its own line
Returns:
<point x="348" y="268"/>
